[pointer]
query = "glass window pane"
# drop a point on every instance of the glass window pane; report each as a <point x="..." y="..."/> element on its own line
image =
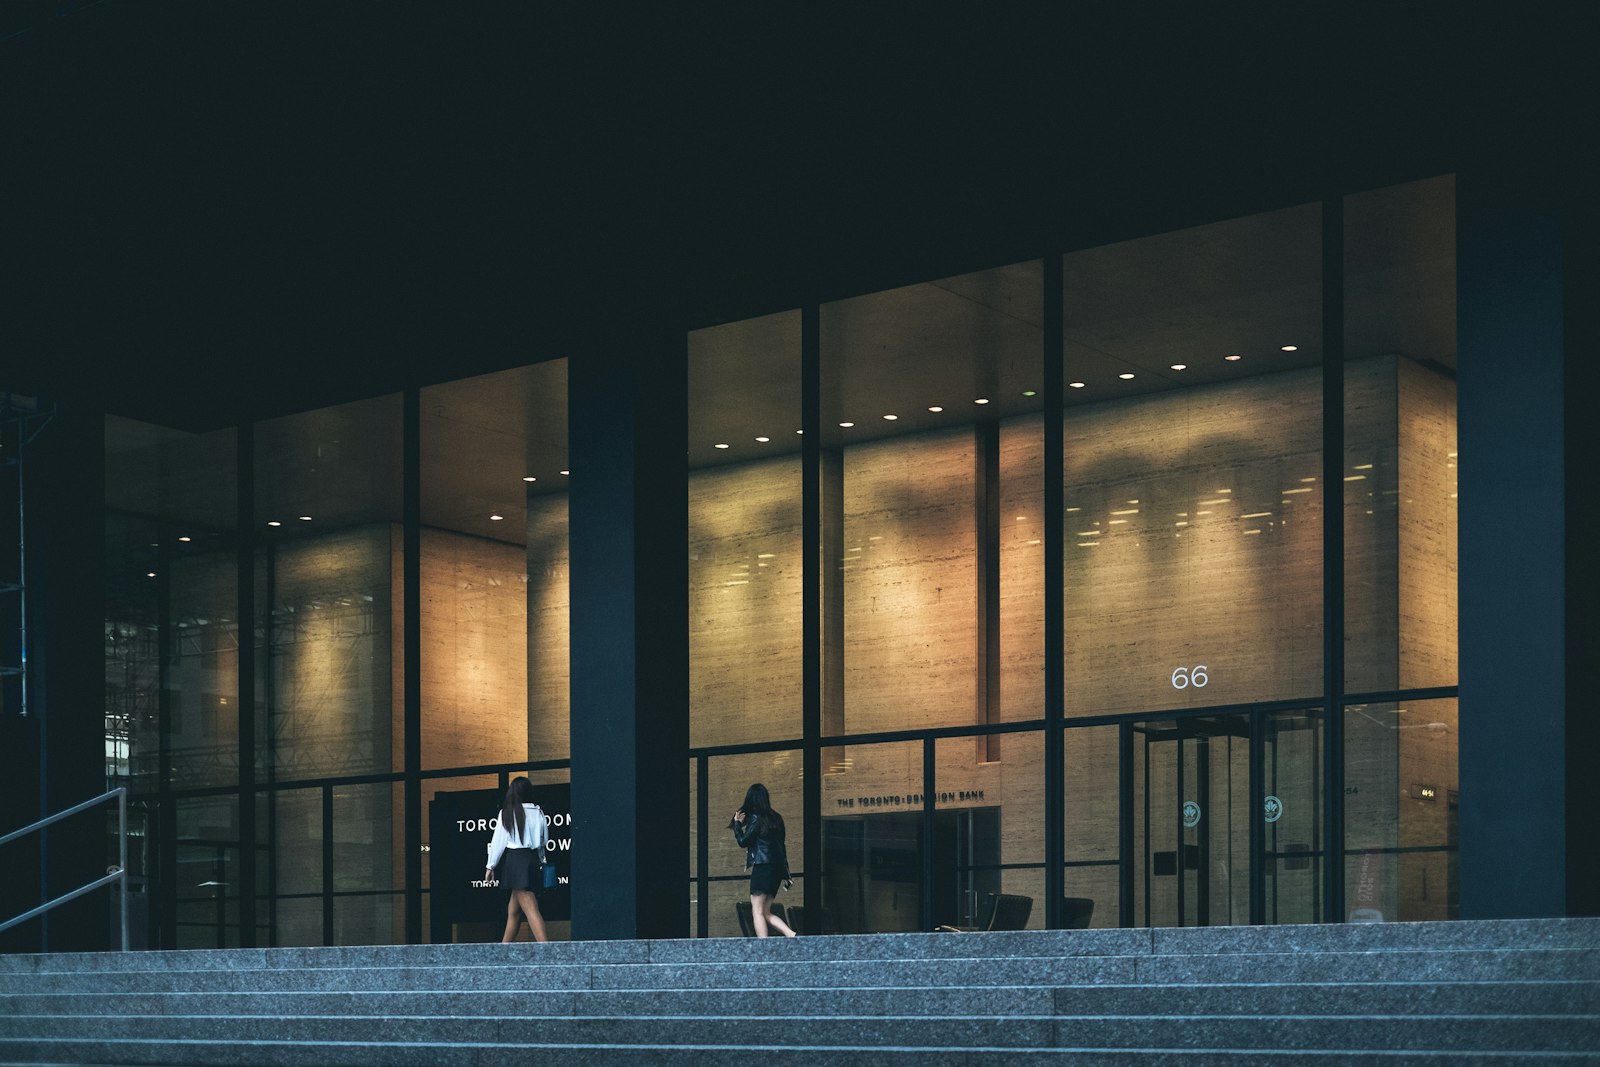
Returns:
<point x="328" y="588"/>
<point x="988" y="818"/>
<point x="1092" y="827"/>
<point x="1193" y="438"/>
<point x="494" y="568"/>
<point x="745" y="496"/>
<point x="872" y="839"/>
<point x="207" y="870"/>
<point x="297" y="842"/>
<point x="931" y="450"/>
<point x="1401" y="811"/>
<point x="730" y="777"/>
<point x="171" y="561"/>
<point x="1400" y="438"/>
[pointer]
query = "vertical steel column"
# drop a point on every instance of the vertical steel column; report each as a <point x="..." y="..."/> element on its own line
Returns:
<point x="930" y="783"/>
<point x="702" y="858"/>
<point x="1054" y="383"/>
<point x="245" y="508"/>
<point x="811" y="612"/>
<point x="327" y="865"/>
<point x="1333" y="555"/>
<point x="1258" y="822"/>
<point x="1125" y="870"/>
<point x="411" y="449"/>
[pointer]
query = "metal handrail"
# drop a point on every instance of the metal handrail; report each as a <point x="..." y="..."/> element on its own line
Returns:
<point x="119" y="873"/>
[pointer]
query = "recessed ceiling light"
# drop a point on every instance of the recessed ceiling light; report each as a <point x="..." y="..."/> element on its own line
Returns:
<point x="847" y="425"/>
<point x="981" y="400"/>
<point x="305" y="518"/>
<point x="763" y="440"/>
<point x="1030" y="392"/>
<point x="721" y="444"/>
<point x="1125" y="375"/>
<point x="496" y="518"/>
<point x="529" y="478"/>
<point x="149" y="574"/>
<point x="274" y="522"/>
<point x="1180" y="366"/>
<point x="1075" y="385"/>
<point x="890" y="418"/>
<point x="185" y="538"/>
<point x="1233" y="359"/>
<point x="799" y="431"/>
<point x="1291" y="348"/>
<point x="935" y="408"/>
<point x="566" y="472"/>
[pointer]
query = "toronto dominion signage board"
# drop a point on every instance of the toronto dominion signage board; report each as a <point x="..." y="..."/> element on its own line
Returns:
<point x="460" y="825"/>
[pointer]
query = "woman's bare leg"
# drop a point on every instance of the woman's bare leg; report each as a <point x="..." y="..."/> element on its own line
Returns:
<point x="513" y="920"/>
<point x="778" y="924"/>
<point x="529" y="903"/>
<point x="759" y="902"/>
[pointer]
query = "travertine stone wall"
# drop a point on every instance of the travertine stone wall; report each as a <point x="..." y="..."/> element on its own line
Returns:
<point x="910" y="583"/>
<point x="549" y="699"/>
<point x="745" y="604"/>
<point x="1189" y="543"/>
<point x="474" y="651"/>
<point x="1428" y="524"/>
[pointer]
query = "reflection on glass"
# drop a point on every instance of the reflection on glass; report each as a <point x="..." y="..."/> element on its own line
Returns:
<point x="988" y="816"/>
<point x="206" y="864"/>
<point x="1193" y="467"/>
<point x="328" y="594"/>
<point x="1402" y="798"/>
<point x="1400" y="434"/>
<point x="872" y="839"/>
<point x="170" y="563"/>
<point x="1292" y="812"/>
<point x="1192" y="809"/>
<point x="494" y="568"/>
<point x="745" y="566"/>
<point x="730" y="777"/>
<point x="1092" y="828"/>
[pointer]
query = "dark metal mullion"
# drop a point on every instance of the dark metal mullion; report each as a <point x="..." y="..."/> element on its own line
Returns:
<point x="811" y="613"/>
<point x="1053" y="380"/>
<point x="269" y="703"/>
<point x="1180" y="868"/>
<point x="1333" y="443"/>
<point x="1125" y="869"/>
<point x="702" y="859"/>
<point x="245" y="511"/>
<point x="327" y="865"/>
<point x="1257" y="824"/>
<point x="1149" y="859"/>
<point x="164" y="889"/>
<point x="930" y="763"/>
<point x="411" y="456"/>
<point x="1202" y="792"/>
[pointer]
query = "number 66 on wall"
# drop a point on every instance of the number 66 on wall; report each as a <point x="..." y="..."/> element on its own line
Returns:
<point x="1184" y="677"/>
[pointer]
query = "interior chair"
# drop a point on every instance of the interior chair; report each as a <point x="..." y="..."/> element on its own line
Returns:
<point x="1007" y="911"/>
<point x="1076" y="913"/>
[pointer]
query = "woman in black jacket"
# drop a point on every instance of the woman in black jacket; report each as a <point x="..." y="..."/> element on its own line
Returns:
<point x="759" y="830"/>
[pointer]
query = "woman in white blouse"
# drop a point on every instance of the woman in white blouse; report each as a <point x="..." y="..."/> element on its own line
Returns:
<point x="517" y="848"/>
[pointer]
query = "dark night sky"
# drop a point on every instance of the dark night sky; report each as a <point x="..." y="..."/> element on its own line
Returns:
<point x="219" y="208"/>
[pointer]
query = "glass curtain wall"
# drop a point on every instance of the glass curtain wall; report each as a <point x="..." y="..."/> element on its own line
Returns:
<point x="172" y="638"/>
<point x="494" y="630"/>
<point x="328" y="593"/>
<point x="1400" y="519"/>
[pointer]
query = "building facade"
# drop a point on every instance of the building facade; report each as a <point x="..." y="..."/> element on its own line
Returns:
<point x="1199" y="567"/>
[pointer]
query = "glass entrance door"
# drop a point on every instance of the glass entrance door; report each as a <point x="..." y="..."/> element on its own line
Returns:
<point x="1213" y="849"/>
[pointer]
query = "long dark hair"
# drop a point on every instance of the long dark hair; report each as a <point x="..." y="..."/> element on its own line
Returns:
<point x="518" y="793"/>
<point x="758" y="804"/>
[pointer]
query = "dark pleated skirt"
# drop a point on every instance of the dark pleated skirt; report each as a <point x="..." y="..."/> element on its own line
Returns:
<point x="519" y="869"/>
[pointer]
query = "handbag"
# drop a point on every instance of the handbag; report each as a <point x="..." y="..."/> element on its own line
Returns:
<point x="550" y="879"/>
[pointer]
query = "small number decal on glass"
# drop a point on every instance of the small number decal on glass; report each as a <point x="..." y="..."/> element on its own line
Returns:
<point x="1184" y="677"/>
